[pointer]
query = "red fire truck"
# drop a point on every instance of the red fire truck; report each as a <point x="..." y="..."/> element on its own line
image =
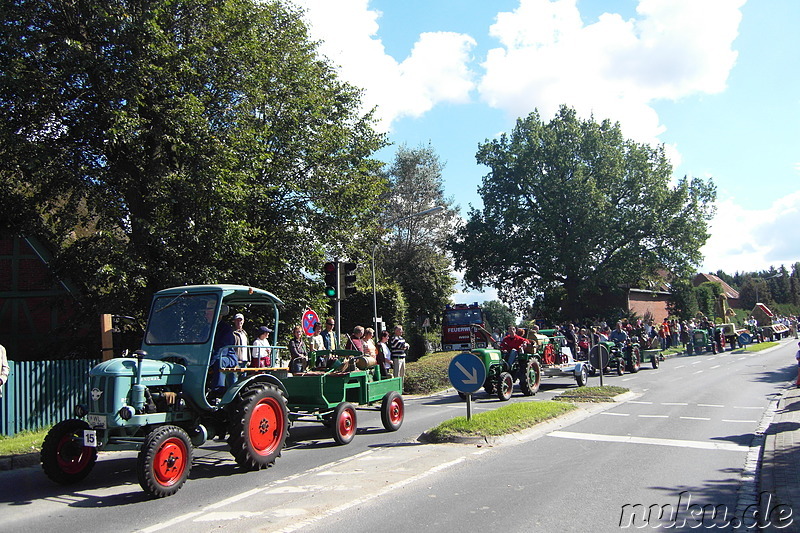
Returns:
<point x="458" y="331"/>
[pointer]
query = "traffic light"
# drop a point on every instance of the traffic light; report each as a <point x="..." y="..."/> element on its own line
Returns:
<point x="348" y="279"/>
<point x="331" y="271"/>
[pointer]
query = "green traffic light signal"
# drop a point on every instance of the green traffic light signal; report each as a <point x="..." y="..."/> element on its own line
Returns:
<point x="331" y="271"/>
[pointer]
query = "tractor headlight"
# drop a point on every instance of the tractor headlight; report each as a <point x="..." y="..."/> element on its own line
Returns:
<point x="80" y="411"/>
<point x="127" y="412"/>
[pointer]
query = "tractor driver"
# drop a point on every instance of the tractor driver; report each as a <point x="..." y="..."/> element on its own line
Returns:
<point x="619" y="335"/>
<point x="511" y="344"/>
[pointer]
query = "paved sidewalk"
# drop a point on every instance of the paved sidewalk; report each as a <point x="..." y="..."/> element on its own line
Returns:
<point x="780" y="464"/>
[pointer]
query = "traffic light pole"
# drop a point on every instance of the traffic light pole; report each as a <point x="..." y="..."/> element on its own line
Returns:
<point x="337" y="307"/>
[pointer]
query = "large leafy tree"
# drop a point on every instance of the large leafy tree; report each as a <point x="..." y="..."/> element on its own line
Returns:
<point x="163" y="142"/>
<point x="572" y="205"/>
<point x="415" y="256"/>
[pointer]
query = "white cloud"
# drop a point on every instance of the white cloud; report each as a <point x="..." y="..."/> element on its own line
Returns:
<point x="748" y="240"/>
<point x="435" y="71"/>
<point x="613" y="68"/>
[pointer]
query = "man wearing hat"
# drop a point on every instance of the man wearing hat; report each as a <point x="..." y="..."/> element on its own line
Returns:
<point x="262" y="352"/>
<point x="241" y="340"/>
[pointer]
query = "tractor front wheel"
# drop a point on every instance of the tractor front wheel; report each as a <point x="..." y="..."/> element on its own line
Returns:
<point x="634" y="360"/>
<point x="620" y="367"/>
<point x="260" y="424"/>
<point x="64" y="458"/>
<point x="164" y="461"/>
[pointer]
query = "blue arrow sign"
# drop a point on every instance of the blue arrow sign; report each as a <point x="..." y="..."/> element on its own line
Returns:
<point x="745" y="339"/>
<point x="466" y="373"/>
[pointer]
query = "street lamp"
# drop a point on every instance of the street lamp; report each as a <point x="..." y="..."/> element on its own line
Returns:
<point x="430" y="211"/>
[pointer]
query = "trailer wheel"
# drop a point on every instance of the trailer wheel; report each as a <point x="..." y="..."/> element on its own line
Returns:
<point x="633" y="361"/>
<point x="64" y="458"/>
<point x="392" y="411"/>
<point x="260" y="424"/>
<point x="582" y="377"/>
<point x="654" y="360"/>
<point x="164" y="461"/>
<point x="344" y="423"/>
<point x="505" y="386"/>
<point x="530" y="377"/>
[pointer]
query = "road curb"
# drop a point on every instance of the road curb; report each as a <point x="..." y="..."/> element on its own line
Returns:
<point x="22" y="460"/>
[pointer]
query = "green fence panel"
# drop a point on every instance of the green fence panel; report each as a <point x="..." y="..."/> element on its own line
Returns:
<point x="41" y="393"/>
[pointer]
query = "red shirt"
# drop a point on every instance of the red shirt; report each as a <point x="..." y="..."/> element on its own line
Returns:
<point x="512" y="342"/>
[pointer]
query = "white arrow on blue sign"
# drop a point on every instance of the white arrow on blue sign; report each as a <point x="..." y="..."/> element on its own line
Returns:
<point x="466" y="372"/>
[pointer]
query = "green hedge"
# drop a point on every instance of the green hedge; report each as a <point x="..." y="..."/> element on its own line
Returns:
<point x="429" y="374"/>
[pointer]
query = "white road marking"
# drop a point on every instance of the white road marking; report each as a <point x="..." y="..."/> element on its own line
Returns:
<point x="680" y="366"/>
<point x="653" y="416"/>
<point x="698" y="362"/>
<point x="694" y="418"/>
<point x="715" y="366"/>
<point x="745" y="421"/>
<point x="614" y="414"/>
<point x="643" y="403"/>
<point x="739" y="407"/>
<point x="702" y="445"/>
<point x="709" y="405"/>
<point x="699" y="372"/>
<point x="674" y="403"/>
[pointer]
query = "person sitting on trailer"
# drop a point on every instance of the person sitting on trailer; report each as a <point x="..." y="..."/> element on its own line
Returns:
<point x="511" y="344"/>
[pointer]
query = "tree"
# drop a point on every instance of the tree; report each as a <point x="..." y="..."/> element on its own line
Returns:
<point x="498" y="315"/>
<point x="163" y="142"/>
<point x="573" y="204"/>
<point x="415" y="256"/>
<point x="683" y="302"/>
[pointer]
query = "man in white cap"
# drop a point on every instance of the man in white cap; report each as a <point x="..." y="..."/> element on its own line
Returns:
<point x="242" y="354"/>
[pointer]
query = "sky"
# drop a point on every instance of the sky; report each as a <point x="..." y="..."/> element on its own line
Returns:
<point x="717" y="82"/>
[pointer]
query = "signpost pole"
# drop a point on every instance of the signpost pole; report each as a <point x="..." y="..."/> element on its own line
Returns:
<point x="469" y="407"/>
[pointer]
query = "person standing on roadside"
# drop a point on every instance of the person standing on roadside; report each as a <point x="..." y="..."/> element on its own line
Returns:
<point x="398" y="347"/>
<point x="4" y="369"/>
<point x="797" y="357"/>
<point x="384" y="354"/>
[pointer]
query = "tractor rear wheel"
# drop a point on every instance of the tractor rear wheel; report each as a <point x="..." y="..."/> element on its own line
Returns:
<point x="530" y="377"/>
<point x="505" y="386"/>
<point x="634" y="360"/>
<point x="164" y="461"/>
<point x="64" y="458"/>
<point x="259" y="426"/>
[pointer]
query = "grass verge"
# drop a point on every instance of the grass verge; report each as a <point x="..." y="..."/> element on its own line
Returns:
<point x="507" y="419"/>
<point x="24" y="442"/>
<point x="758" y="347"/>
<point x="605" y="393"/>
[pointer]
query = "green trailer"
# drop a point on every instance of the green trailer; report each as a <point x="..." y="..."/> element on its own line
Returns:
<point x="330" y="396"/>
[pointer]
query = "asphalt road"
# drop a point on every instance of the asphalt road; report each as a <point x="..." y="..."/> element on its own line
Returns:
<point x="688" y="431"/>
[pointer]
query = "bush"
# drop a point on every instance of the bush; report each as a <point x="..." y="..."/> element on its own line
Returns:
<point x="428" y="374"/>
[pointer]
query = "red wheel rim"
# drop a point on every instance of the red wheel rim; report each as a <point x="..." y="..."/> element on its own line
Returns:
<point x="266" y="426"/>
<point x="396" y="411"/>
<point x="170" y="461"/>
<point x="346" y="423"/>
<point x="72" y="457"/>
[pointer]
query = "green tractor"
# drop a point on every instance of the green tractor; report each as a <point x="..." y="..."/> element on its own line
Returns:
<point x="502" y="373"/>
